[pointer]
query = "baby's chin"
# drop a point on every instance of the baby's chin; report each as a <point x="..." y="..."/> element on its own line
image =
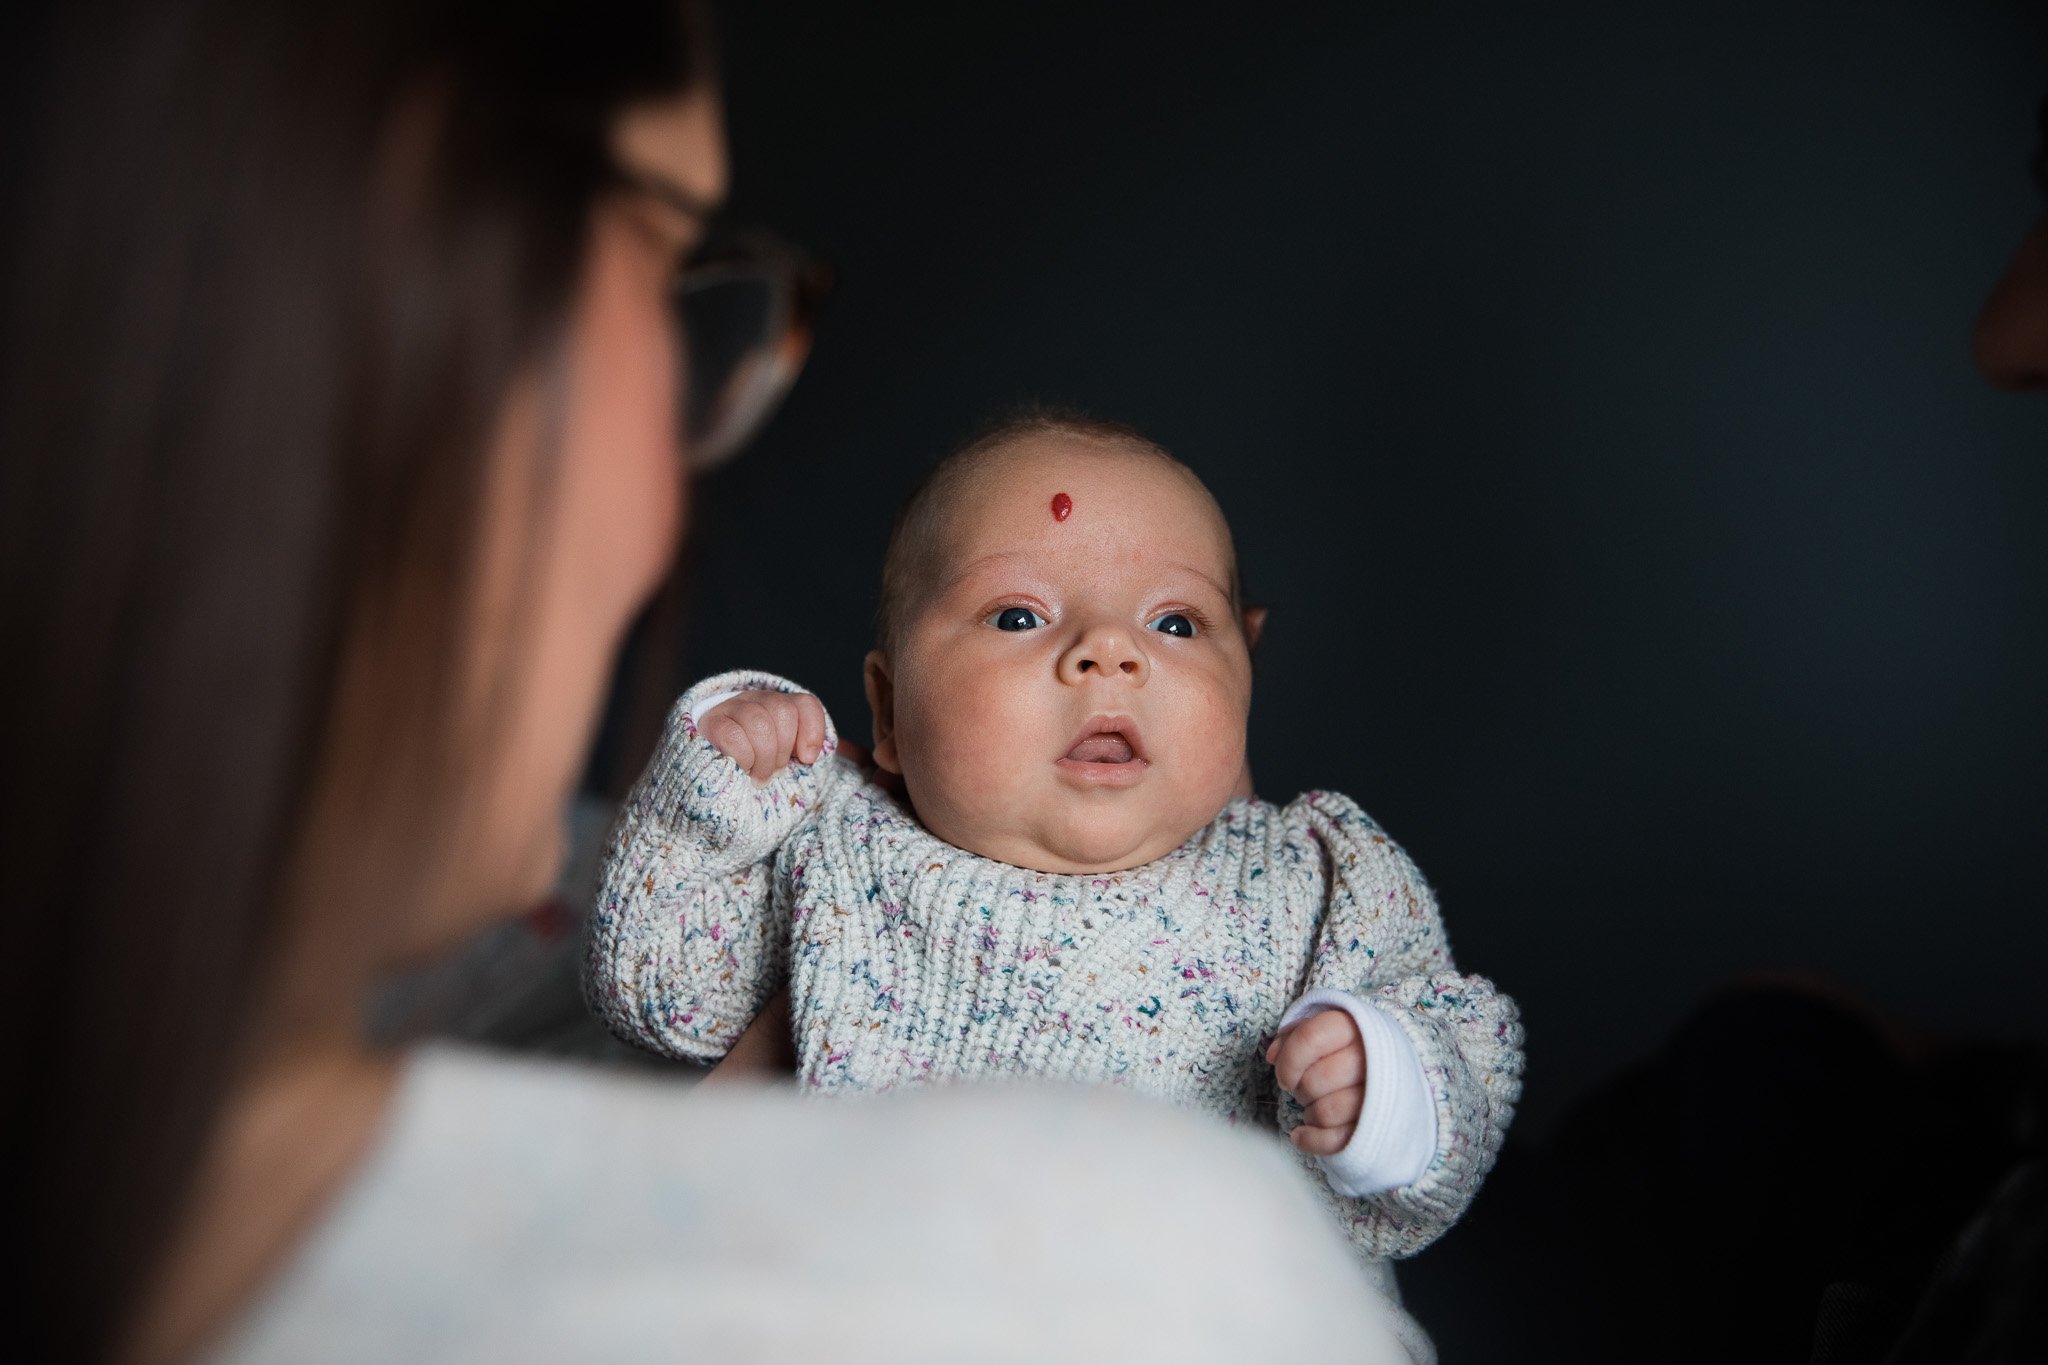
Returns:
<point x="1074" y="847"/>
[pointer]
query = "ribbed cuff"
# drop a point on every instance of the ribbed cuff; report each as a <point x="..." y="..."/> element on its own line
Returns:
<point x="1396" y="1134"/>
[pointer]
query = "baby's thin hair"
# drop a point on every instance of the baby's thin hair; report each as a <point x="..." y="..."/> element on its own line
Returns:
<point x="919" y="520"/>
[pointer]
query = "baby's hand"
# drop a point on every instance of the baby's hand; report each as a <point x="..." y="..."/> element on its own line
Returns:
<point x="762" y="731"/>
<point x="1321" y="1062"/>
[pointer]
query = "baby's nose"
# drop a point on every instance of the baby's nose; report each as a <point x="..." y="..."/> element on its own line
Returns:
<point x="1105" y="652"/>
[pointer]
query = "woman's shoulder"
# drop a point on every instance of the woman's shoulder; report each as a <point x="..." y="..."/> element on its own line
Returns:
<point x="526" y="1210"/>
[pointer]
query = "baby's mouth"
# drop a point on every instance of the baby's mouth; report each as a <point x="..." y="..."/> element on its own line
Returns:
<point x="1108" y="748"/>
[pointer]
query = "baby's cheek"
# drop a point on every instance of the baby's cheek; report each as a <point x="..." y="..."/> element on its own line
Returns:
<point x="966" y="742"/>
<point x="1216" y="755"/>
<point x="975" y="766"/>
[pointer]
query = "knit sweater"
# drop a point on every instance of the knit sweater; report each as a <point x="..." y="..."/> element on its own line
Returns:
<point x="910" y="961"/>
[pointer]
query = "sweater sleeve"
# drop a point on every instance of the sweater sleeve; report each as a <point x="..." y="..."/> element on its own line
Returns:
<point x="687" y="938"/>
<point x="1382" y="941"/>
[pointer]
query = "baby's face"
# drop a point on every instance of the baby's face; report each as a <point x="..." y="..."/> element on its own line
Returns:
<point x="1070" y="694"/>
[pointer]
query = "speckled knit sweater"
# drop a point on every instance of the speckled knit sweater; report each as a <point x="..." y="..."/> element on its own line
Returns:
<point x="911" y="961"/>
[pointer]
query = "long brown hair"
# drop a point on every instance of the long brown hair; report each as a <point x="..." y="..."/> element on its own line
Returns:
<point x="272" y="271"/>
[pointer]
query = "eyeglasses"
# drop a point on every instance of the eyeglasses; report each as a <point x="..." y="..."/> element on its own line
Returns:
<point x="746" y="302"/>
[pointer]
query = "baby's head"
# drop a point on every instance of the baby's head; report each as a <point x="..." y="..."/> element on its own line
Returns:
<point x="1063" y="672"/>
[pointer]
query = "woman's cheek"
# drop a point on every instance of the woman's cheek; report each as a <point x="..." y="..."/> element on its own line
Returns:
<point x="618" y="476"/>
<point x="623" y="456"/>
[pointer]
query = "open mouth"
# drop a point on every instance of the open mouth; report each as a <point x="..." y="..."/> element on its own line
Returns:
<point x="1108" y="749"/>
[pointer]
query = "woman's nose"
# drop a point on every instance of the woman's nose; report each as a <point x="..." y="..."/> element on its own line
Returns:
<point x="2010" y="341"/>
<point x="1105" y="652"/>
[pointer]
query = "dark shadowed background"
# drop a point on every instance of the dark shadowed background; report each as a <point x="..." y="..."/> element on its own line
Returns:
<point x="1589" y="388"/>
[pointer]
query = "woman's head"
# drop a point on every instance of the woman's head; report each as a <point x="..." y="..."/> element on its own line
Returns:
<point x="580" y="518"/>
<point x="2010" y="339"/>
<point x="339" y="420"/>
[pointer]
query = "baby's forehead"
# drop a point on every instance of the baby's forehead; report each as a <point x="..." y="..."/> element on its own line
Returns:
<point x="1048" y="492"/>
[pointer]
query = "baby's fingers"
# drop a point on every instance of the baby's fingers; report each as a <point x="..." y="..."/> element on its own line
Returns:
<point x="810" y="728"/>
<point x="1320" y="1141"/>
<point x="759" y="722"/>
<point x="1307" y="1043"/>
<point x="729" y="737"/>
<point x="1340" y="1070"/>
<point x="782" y="712"/>
<point x="763" y="731"/>
<point x="1339" y="1109"/>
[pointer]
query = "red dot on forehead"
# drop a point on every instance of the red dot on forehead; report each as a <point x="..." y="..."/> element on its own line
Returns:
<point x="1062" y="506"/>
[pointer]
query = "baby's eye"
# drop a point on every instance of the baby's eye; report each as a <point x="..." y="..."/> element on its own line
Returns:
<point x="1015" y="618"/>
<point x="1173" y="623"/>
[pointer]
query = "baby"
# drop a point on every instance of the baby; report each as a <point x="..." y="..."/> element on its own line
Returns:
<point x="1076" y="881"/>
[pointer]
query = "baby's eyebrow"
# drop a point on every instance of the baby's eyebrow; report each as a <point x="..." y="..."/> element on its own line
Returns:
<point x="973" y="567"/>
<point x="1192" y="571"/>
<point x="968" y="570"/>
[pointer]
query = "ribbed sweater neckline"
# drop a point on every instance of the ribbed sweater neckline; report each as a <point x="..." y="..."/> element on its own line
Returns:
<point x="920" y="848"/>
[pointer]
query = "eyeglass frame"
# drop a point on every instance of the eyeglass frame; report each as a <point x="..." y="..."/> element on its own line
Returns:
<point x="802" y="281"/>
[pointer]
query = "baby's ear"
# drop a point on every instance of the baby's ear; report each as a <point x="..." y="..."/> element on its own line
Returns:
<point x="1254" y="626"/>
<point x="882" y="709"/>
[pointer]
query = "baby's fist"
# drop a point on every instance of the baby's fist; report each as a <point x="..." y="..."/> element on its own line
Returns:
<point x="1321" y="1062"/>
<point x="763" y="731"/>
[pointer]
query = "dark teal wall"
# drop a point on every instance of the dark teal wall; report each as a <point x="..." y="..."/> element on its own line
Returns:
<point x="1589" y="388"/>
